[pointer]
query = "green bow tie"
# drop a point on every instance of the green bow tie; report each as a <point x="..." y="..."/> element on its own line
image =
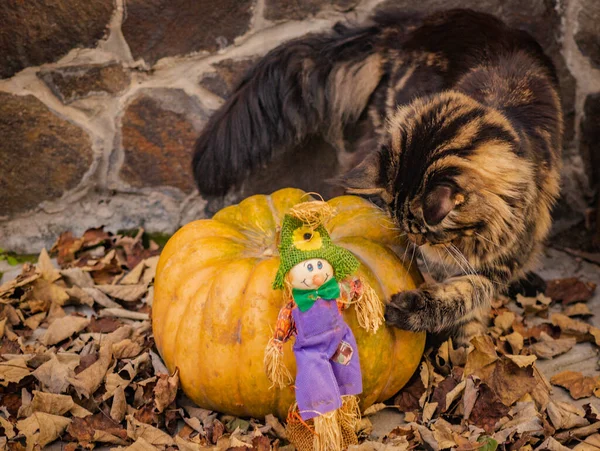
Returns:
<point x="306" y="298"/>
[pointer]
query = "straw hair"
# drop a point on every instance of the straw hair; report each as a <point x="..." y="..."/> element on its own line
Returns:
<point x="275" y="368"/>
<point x="313" y="213"/>
<point x="369" y="308"/>
<point x="328" y="432"/>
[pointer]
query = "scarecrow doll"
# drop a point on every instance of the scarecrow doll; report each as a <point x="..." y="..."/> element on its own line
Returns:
<point x="317" y="279"/>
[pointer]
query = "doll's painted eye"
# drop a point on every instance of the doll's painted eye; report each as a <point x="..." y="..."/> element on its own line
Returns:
<point x="307" y="236"/>
<point x="320" y="264"/>
<point x="310" y="267"/>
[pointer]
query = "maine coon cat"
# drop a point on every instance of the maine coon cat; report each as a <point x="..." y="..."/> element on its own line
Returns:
<point x="460" y="129"/>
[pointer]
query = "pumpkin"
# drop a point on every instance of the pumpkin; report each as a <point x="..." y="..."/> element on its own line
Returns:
<point x="214" y="309"/>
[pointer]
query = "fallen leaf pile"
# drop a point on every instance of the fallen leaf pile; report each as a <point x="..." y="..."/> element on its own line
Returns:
<point x="78" y="364"/>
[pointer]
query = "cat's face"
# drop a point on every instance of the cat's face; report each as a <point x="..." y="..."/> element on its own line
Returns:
<point x="450" y="170"/>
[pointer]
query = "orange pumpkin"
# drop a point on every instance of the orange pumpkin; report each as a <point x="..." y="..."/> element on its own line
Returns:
<point x="214" y="309"/>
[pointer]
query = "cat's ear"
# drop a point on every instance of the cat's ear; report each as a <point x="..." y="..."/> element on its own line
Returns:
<point x="369" y="178"/>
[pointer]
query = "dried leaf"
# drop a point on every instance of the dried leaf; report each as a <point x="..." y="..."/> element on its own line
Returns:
<point x="524" y="419"/>
<point x="42" y="290"/>
<point x="42" y="428"/>
<point x="484" y="354"/>
<point x="13" y="371"/>
<point x="548" y="347"/>
<point x="141" y="445"/>
<point x="55" y="373"/>
<point x="566" y="416"/>
<point x="579" y="309"/>
<point x="579" y="386"/>
<point x="122" y="313"/>
<point x="101" y="436"/>
<point x="51" y="403"/>
<point x="408" y="398"/>
<point x="522" y="360"/>
<point x="443" y="434"/>
<point x="276" y="426"/>
<point x="9" y="430"/>
<point x="487" y="409"/>
<point x="470" y="397"/>
<point x="79" y="296"/>
<point x="100" y="298"/>
<point x="126" y="349"/>
<point x="428" y="411"/>
<point x="166" y="390"/>
<point x="63" y="328"/>
<point x="505" y="321"/>
<point x="570" y="290"/>
<point x="127" y="293"/>
<point x="97" y="428"/>
<point x="551" y="444"/>
<point x="591" y="443"/>
<point x="133" y="277"/>
<point x="509" y="381"/>
<point x="534" y="305"/>
<point x="77" y="277"/>
<point x="516" y="342"/>
<point x="88" y="381"/>
<point x="129" y="371"/>
<point x="374" y="409"/>
<point x="152" y="435"/>
<point x="34" y="321"/>
<point x="46" y="268"/>
<point x="570" y="326"/>
<point x="119" y="405"/>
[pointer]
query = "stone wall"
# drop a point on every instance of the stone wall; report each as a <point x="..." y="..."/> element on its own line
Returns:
<point x="101" y="101"/>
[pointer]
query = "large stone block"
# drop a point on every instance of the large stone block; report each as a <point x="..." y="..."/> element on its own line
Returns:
<point x="41" y="155"/>
<point x="158" y="132"/>
<point x="228" y="73"/>
<point x="588" y="30"/>
<point x="158" y="28"/>
<point x="35" y="32"/>
<point x="297" y="10"/>
<point x="78" y="82"/>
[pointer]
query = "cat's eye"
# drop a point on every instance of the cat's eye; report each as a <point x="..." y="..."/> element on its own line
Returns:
<point x="310" y="267"/>
<point x="320" y="265"/>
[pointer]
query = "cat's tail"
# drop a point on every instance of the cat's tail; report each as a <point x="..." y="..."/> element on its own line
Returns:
<point x="315" y="84"/>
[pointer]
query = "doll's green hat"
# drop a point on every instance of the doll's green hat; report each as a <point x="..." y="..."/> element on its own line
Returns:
<point x="299" y="241"/>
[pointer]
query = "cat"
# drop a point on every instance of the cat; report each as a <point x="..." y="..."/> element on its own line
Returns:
<point x="459" y="127"/>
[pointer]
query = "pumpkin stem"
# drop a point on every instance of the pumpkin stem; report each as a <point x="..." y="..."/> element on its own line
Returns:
<point x="275" y="368"/>
<point x="369" y="308"/>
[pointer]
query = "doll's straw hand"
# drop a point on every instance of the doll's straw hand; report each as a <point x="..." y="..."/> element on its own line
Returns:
<point x="275" y="368"/>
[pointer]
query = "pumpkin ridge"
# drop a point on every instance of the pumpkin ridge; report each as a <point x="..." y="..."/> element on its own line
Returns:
<point x="213" y="302"/>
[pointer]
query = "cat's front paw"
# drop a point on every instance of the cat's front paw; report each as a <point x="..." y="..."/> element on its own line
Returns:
<point x="407" y="310"/>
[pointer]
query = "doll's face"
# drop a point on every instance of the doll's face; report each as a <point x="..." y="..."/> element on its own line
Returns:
<point x="310" y="274"/>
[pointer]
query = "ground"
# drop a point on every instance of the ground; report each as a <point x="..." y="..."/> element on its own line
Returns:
<point x="507" y="389"/>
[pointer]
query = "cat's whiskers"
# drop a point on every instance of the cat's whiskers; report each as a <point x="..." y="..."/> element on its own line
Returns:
<point x="425" y="261"/>
<point x="469" y="272"/>
<point x="410" y="263"/>
<point x="442" y="261"/>
<point x="486" y="239"/>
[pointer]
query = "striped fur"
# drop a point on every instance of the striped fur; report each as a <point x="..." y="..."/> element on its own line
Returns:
<point x="461" y="139"/>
